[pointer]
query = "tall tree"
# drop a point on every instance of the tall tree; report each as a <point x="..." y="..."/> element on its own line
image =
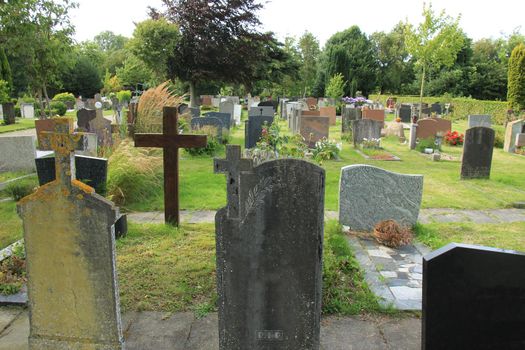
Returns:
<point x="38" y="32"/>
<point x="5" y="70"/>
<point x="219" y="41"/>
<point x="434" y="43"/>
<point x="351" y="53"/>
<point x="489" y="79"/>
<point x="516" y="86"/>
<point x="309" y="51"/>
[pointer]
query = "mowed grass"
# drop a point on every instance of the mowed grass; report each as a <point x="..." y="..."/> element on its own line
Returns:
<point x="20" y="124"/>
<point x="161" y="268"/>
<point x="10" y="224"/>
<point x="504" y="236"/>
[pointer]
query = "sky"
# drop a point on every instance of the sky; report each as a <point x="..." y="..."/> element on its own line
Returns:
<point x="479" y="19"/>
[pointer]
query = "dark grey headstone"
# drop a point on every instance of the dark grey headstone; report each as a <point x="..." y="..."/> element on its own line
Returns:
<point x="121" y="226"/>
<point x="182" y="108"/>
<point x="269" y="272"/>
<point x="365" y="129"/>
<point x="266" y="111"/>
<point x="272" y="103"/>
<point x="8" y="110"/>
<point x="436" y="108"/>
<point x="473" y="298"/>
<point x="477" y="153"/>
<point x="405" y="113"/>
<point x="89" y="170"/>
<point x="195" y="112"/>
<point x="201" y="122"/>
<point x="253" y="129"/>
<point x="223" y="117"/>
<point x="348" y="115"/>
<point x="84" y="116"/>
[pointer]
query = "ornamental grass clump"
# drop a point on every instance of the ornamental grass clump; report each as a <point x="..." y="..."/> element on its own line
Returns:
<point x="149" y="109"/>
<point x="391" y="234"/>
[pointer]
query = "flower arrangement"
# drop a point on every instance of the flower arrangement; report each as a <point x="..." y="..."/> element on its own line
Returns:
<point x="326" y="150"/>
<point x="453" y="138"/>
<point x="371" y="143"/>
<point x="356" y="101"/>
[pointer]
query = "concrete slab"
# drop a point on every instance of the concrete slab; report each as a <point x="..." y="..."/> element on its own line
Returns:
<point x="350" y="333"/>
<point x="15" y="336"/>
<point x="402" y="333"/>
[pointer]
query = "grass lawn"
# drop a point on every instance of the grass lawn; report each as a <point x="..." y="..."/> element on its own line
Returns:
<point x="166" y="269"/>
<point x="11" y="175"/>
<point x="10" y="224"/>
<point x="200" y="188"/>
<point x="20" y="124"/>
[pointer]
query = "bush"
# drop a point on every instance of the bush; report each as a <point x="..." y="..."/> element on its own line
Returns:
<point x="58" y="108"/>
<point x="516" y="79"/>
<point x="64" y="97"/>
<point x="211" y="148"/>
<point x="326" y="150"/>
<point x="22" y="188"/>
<point x="426" y="143"/>
<point x="124" y="96"/>
<point x="499" y="138"/>
<point x="207" y="108"/>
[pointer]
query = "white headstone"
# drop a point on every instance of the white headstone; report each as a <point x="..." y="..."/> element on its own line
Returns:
<point x="237" y="112"/>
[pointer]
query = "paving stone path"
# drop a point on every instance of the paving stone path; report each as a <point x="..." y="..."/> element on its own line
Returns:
<point x="426" y="216"/>
<point x="182" y="331"/>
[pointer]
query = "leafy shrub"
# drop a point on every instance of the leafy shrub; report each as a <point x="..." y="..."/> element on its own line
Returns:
<point x="4" y="91"/>
<point x="499" y="138"/>
<point x="65" y="97"/>
<point x="20" y="189"/>
<point x="326" y="150"/>
<point x="211" y="149"/>
<point x="12" y="274"/>
<point x="391" y="234"/>
<point x="207" y="108"/>
<point x="124" y="96"/>
<point x="58" y="108"/>
<point x="135" y="174"/>
<point x="516" y="79"/>
<point x="149" y="109"/>
<point x="426" y="143"/>
<point x="453" y="138"/>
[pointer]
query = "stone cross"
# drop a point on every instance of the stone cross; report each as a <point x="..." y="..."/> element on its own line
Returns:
<point x="70" y="257"/>
<point x="232" y="167"/>
<point x="170" y="140"/>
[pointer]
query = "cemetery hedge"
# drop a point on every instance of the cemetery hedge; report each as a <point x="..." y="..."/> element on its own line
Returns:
<point x="462" y="106"/>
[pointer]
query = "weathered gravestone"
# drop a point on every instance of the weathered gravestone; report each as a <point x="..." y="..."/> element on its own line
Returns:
<point x="405" y="113"/>
<point x="17" y="153"/>
<point x="84" y="116"/>
<point x="269" y="252"/>
<point x="329" y="112"/>
<point x="102" y="127"/>
<point x="520" y="140"/>
<point x="253" y="129"/>
<point x="365" y="129"/>
<point x="43" y="126"/>
<point x="183" y="108"/>
<point x="227" y="107"/>
<point x="314" y="128"/>
<point x="170" y="140"/>
<point x="430" y="127"/>
<point x="368" y="195"/>
<point x="349" y="114"/>
<point x="477" y="153"/>
<point x="271" y="103"/>
<point x="311" y="102"/>
<point x="8" y="110"/>
<point x="223" y="117"/>
<point x="27" y="110"/>
<point x="261" y="111"/>
<point x="513" y="129"/>
<point x="374" y="114"/>
<point x="206" y="100"/>
<point x="195" y="112"/>
<point x="282" y="108"/>
<point x="89" y="170"/>
<point x="473" y="298"/>
<point x="208" y="122"/>
<point x="479" y="120"/>
<point x="70" y="258"/>
<point x="215" y="102"/>
<point x="237" y="113"/>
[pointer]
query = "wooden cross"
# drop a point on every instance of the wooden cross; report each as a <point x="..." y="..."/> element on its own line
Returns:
<point x="170" y="140"/>
<point x="64" y="142"/>
<point x="232" y="166"/>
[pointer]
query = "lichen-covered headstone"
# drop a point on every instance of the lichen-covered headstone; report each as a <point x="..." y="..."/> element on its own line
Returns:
<point x="70" y="252"/>
<point x="102" y="127"/>
<point x="365" y="129"/>
<point x="369" y="195"/>
<point x="269" y="254"/>
<point x="513" y="129"/>
<point x="477" y="153"/>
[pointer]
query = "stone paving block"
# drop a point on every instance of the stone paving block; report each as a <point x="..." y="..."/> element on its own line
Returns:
<point x="155" y="331"/>
<point x="404" y="293"/>
<point x="16" y="335"/>
<point x="7" y="316"/>
<point x="204" y="334"/>
<point x="402" y="333"/>
<point x="350" y="333"/>
<point x="509" y="215"/>
<point x="452" y="217"/>
<point x="480" y="217"/>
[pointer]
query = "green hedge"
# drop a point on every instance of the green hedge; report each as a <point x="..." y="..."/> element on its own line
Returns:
<point x="462" y="106"/>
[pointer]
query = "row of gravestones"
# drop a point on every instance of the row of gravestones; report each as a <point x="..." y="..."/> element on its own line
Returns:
<point x="405" y="111"/>
<point x="269" y="281"/>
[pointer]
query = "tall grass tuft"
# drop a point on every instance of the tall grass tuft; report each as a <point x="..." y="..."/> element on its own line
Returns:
<point x="135" y="174"/>
<point x="149" y="109"/>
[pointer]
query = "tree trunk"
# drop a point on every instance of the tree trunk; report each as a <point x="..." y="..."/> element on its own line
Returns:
<point x="421" y="92"/>
<point x="41" y="103"/>
<point x="193" y="96"/>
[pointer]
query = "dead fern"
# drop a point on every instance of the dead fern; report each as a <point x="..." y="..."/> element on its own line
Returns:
<point x="391" y="234"/>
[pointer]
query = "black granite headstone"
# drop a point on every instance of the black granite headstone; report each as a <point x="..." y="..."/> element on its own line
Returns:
<point x="223" y="117"/>
<point x="121" y="226"/>
<point x="266" y="111"/>
<point x="269" y="253"/>
<point x="84" y="116"/>
<point x="272" y="103"/>
<point x="253" y="129"/>
<point x="90" y="170"/>
<point x="473" y="298"/>
<point x="436" y="108"/>
<point x="202" y="122"/>
<point x="405" y="113"/>
<point x="477" y="153"/>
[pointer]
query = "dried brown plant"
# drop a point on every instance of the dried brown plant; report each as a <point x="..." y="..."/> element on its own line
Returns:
<point x="391" y="234"/>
